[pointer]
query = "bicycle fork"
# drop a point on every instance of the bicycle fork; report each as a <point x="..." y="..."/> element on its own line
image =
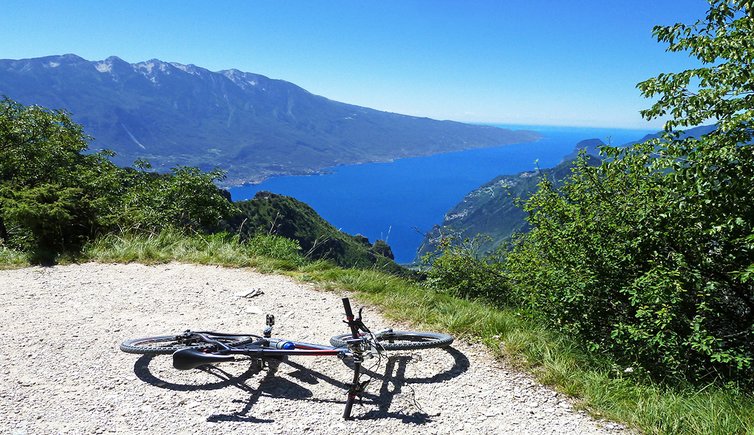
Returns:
<point x="356" y="345"/>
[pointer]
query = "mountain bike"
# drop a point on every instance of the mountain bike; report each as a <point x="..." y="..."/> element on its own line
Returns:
<point x="192" y="349"/>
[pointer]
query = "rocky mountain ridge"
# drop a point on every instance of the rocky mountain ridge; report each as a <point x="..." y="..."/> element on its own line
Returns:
<point x="247" y="124"/>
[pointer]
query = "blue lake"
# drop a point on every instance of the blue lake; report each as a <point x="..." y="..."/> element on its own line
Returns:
<point x="401" y="200"/>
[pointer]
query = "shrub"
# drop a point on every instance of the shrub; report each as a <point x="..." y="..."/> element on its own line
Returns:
<point x="458" y="270"/>
<point x="54" y="196"/>
<point x="648" y="256"/>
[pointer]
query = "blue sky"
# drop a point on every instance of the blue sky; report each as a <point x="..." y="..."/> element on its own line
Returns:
<point x="550" y="62"/>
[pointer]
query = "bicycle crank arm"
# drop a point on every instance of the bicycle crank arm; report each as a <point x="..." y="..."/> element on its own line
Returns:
<point x="191" y="358"/>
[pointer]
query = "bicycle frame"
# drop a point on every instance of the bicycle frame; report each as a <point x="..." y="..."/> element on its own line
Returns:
<point x="268" y="347"/>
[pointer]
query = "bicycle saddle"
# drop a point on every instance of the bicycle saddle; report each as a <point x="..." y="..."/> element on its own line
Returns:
<point x="191" y="358"/>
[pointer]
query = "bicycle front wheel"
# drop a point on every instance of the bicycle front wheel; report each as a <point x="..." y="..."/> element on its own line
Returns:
<point x="168" y="344"/>
<point x="402" y="340"/>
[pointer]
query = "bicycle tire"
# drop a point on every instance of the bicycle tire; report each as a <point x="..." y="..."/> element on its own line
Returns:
<point x="402" y="340"/>
<point x="168" y="344"/>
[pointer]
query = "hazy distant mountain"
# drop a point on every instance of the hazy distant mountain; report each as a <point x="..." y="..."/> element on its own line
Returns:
<point x="695" y="132"/>
<point x="492" y="211"/>
<point x="590" y="146"/>
<point x="248" y="124"/>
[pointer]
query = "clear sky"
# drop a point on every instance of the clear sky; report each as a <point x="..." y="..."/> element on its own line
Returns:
<point x="551" y="62"/>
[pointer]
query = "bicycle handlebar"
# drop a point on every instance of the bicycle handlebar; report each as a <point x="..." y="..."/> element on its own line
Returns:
<point x="347" y="306"/>
<point x="353" y="323"/>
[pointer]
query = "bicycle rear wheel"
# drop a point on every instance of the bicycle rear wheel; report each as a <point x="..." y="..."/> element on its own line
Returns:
<point x="168" y="344"/>
<point x="402" y="340"/>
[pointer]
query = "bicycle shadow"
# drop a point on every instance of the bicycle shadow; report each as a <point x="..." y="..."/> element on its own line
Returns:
<point x="269" y="385"/>
<point x="225" y="379"/>
<point x="393" y="378"/>
<point x="394" y="375"/>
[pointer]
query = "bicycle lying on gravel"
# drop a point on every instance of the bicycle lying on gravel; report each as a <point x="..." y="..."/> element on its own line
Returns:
<point x="192" y="349"/>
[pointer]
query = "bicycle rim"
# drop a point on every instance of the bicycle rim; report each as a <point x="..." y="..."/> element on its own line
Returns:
<point x="402" y="340"/>
<point x="168" y="344"/>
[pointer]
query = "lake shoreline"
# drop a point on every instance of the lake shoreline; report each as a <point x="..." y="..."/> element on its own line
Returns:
<point x="327" y="170"/>
<point x="402" y="199"/>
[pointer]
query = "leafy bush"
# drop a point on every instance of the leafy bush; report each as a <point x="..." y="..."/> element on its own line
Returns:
<point x="49" y="218"/>
<point x="621" y="257"/>
<point x="460" y="271"/>
<point x="185" y="198"/>
<point x="648" y="256"/>
<point x="54" y="196"/>
<point x="46" y="204"/>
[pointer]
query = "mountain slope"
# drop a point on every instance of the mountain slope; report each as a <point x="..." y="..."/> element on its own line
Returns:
<point x="492" y="209"/>
<point x="248" y="124"/>
<point x="269" y="213"/>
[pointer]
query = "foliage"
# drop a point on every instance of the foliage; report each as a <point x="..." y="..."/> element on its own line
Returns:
<point x="185" y="198"/>
<point x="10" y="258"/>
<point x="50" y="219"/>
<point x="271" y="214"/>
<point x="47" y="204"/>
<point x="462" y="272"/>
<point x="277" y="247"/>
<point x="647" y="256"/>
<point x="264" y="252"/>
<point x="54" y="196"/>
<point x="721" y="88"/>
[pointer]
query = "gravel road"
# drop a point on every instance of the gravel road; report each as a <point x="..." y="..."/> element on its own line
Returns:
<point x="62" y="371"/>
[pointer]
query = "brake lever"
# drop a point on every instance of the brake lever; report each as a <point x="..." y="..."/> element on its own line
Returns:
<point x="358" y="322"/>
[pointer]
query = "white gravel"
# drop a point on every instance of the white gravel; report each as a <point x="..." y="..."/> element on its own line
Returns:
<point x="62" y="372"/>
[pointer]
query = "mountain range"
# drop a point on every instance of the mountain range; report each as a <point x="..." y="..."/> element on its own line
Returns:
<point x="247" y="124"/>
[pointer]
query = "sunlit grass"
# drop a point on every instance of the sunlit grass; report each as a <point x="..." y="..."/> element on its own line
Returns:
<point x="605" y="390"/>
<point x="170" y="245"/>
<point x="11" y="259"/>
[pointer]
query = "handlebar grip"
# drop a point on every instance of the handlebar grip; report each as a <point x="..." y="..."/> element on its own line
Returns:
<point x="353" y="324"/>
<point x="347" y="306"/>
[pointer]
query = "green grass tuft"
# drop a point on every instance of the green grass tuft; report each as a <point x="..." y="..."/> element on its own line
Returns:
<point x="266" y="253"/>
<point x="11" y="259"/>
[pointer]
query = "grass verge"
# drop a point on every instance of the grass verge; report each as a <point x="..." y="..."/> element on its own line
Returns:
<point x="267" y="253"/>
<point x="604" y="389"/>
